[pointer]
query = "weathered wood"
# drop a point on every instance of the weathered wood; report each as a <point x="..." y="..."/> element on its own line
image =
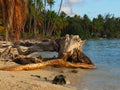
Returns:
<point x="79" y="57"/>
<point x="70" y="55"/>
<point x="44" y="45"/>
<point x="21" y="59"/>
<point x="69" y="43"/>
<point x="57" y="62"/>
<point x="5" y="53"/>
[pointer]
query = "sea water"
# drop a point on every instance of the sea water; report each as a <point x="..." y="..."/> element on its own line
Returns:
<point x="106" y="56"/>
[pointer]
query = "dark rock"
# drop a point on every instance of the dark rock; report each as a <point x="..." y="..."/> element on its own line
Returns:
<point x="36" y="76"/>
<point x="74" y="71"/>
<point x="59" y="79"/>
<point x="45" y="78"/>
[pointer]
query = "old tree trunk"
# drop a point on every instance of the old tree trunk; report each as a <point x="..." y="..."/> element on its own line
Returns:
<point x="69" y="51"/>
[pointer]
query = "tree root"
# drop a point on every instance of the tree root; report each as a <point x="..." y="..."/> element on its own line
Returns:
<point x="69" y="55"/>
<point x="58" y="62"/>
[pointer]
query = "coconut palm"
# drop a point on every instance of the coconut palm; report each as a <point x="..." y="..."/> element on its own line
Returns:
<point x="52" y="28"/>
<point x="50" y="3"/>
<point x="14" y="16"/>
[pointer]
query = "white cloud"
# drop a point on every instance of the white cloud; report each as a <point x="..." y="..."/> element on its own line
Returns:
<point x="70" y="6"/>
<point x="76" y="2"/>
<point x="66" y="9"/>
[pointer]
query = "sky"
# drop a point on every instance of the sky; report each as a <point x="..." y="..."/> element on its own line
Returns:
<point x="90" y="7"/>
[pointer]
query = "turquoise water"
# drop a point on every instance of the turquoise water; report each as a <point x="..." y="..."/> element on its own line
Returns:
<point x="106" y="56"/>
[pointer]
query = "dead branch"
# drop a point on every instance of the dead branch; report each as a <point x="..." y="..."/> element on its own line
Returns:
<point x="70" y="55"/>
<point x="5" y="52"/>
<point x="58" y="62"/>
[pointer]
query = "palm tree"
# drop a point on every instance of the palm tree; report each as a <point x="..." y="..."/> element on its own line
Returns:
<point x="4" y="5"/>
<point x="35" y="6"/>
<point x="50" y="3"/>
<point x="13" y="16"/>
<point x="35" y="17"/>
<point x="54" y="23"/>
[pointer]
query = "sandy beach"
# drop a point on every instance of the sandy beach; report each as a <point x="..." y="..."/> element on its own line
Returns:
<point x="40" y="79"/>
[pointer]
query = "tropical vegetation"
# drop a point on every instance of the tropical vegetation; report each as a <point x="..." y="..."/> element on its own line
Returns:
<point x="38" y="19"/>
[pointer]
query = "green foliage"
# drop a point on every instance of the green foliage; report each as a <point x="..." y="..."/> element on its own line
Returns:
<point x="48" y="23"/>
<point x="76" y="26"/>
<point x="100" y="27"/>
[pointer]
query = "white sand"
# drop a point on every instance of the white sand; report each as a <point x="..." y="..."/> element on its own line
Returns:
<point x="28" y="80"/>
<point x="22" y="80"/>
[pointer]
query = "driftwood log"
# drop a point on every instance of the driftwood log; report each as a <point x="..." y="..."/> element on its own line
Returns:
<point x="69" y="51"/>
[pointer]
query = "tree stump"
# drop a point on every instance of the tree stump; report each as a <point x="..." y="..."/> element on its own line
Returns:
<point x="69" y="51"/>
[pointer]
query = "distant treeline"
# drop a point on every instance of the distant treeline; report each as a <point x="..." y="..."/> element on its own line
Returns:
<point x="100" y="27"/>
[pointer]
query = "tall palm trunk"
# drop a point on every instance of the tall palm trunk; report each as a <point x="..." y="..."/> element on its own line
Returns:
<point x="50" y="2"/>
<point x="54" y="23"/>
<point x="35" y="4"/>
<point x="44" y="29"/>
<point x="24" y="14"/>
<point x="5" y="15"/>
<point x="13" y="16"/>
